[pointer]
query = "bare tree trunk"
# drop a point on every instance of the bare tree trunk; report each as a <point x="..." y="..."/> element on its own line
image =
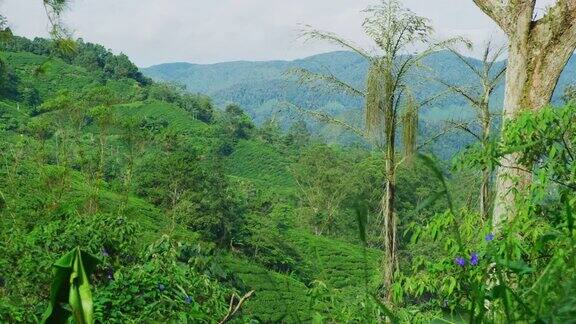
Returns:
<point x="486" y="172"/>
<point x="538" y="52"/>
<point x="390" y="261"/>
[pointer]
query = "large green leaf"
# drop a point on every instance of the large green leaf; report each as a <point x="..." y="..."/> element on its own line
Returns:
<point x="70" y="295"/>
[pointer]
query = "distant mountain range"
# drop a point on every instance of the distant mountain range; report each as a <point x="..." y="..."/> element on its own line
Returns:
<point x="259" y="87"/>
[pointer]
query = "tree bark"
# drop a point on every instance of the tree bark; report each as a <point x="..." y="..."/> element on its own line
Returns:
<point x="486" y="172"/>
<point x="538" y="52"/>
<point x="389" y="229"/>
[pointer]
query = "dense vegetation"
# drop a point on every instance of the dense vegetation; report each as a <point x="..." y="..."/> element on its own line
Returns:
<point x="179" y="209"/>
<point x="169" y="192"/>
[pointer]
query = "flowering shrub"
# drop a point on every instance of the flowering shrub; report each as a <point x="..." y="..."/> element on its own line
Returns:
<point x="526" y="272"/>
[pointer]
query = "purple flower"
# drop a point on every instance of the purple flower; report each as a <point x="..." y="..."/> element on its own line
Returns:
<point x="161" y="287"/>
<point x="474" y="259"/>
<point x="460" y="261"/>
<point x="489" y="237"/>
<point x="110" y="275"/>
<point x="188" y="300"/>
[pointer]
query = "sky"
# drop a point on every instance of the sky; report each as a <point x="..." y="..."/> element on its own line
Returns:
<point x="209" y="31"/>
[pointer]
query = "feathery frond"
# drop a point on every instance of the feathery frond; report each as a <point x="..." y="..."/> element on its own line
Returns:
<point x="309" y="33"/>
<point x="320" y="81"/>
<point x="373" y="112"/>
<point x="61" y="35"/>
<point x="410" y="127"/>
<point x="326" y="118"/>
<point x="394" y="27"/>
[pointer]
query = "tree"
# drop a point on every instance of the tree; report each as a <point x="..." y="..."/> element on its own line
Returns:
<point x="324" y="177"/>
<point x="5" y="32"/>
<point x="236" y="123"/>
<point x="539" y="50"/>
<point x="298" y="134"/>
<point x="8" y="81"/>
<point x="489" y="76"/>
<point x="395" y="30"/>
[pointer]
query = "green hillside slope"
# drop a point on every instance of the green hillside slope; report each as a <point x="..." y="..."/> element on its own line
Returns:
<point x="131" y="174"/>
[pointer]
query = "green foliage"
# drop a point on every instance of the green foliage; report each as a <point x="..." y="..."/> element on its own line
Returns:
<point x="71" y="286"/>
<point x="277" y="298"/>
<point x="197" y="105"/>
<point x="236" y="123"/>
<point x="163" y="284"/>
<point x="518" y="271"/>
<point x="324" y="177"/>
<point x="8" y="81"/>
<point x="263" y="239"/>
<point x="186" y="206"/>
<point x="92" y="57"/>
<point x="68" y="159"/>
<point x="262" y="164"/>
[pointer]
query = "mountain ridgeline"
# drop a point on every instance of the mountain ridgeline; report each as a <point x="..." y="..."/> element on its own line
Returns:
<point x="254" y="84"/>
<point x="260" y="88"/>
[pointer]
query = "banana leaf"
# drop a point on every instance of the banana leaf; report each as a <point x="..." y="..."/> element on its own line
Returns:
<point x="70" y="294"/>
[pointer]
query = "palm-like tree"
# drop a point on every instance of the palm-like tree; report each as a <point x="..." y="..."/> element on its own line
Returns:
<point x="489" y="76"/>
<point x="395" y="31"/>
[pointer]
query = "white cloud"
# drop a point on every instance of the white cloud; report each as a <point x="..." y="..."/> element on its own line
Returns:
<point x="206" y="31"/>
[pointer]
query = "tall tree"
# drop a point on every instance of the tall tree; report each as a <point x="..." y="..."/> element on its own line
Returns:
<point x="396" y="31"/>
<point x="538" y="52"/>
<point x="488" y="76"/>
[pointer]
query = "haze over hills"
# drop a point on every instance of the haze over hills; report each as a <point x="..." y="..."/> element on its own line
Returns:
<point x="259" y="86"/>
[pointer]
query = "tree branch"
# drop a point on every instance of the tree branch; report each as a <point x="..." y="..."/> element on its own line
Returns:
<point x="233" y="310"/>
<point x="497" y="10"/>
<point x="310" y="33"/>
<point x="558" y="27"/>
<point x="507" y="13"/>
<point x="464" y="127"/>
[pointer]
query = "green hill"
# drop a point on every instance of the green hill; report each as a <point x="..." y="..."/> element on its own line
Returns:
<point x="129" y="172"/>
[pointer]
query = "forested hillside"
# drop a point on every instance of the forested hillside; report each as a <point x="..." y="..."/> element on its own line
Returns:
<point x="167" y="180"/>
<point x="322" y="190"/>
<point x="260" y="87"/>
<point x="264" y="88"/>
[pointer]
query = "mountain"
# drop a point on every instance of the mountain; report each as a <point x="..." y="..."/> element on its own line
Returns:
<point x="260" y="88"/>
<point x="257" y="86"/>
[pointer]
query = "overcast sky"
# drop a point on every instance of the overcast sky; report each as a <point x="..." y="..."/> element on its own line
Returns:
<point x="207" y="31"/>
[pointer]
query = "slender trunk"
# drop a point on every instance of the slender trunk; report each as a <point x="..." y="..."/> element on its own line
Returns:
<point x="486" y="172"/>
<point x="102" y="161"/>
<point x="389" y="231"/>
